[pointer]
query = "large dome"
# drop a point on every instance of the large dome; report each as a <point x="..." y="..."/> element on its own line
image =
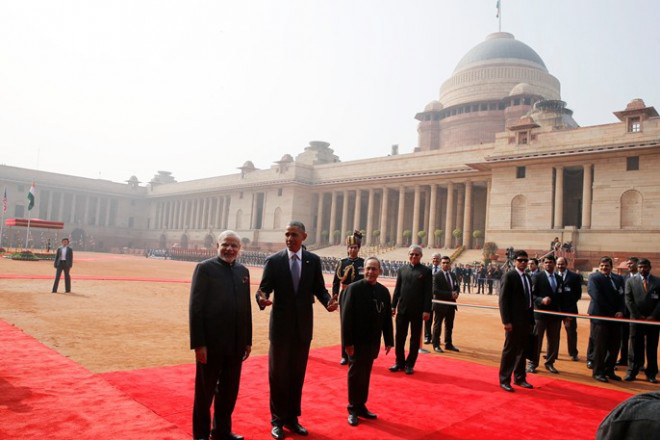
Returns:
<point x="499" y="46"/>
<point x="489" y="71"/>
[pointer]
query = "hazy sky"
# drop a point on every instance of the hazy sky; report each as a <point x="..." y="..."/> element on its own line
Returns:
<point x="113" y="88"/>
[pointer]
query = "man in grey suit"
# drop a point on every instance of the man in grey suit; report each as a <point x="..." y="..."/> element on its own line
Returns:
<point x="294" y="277"/>
<point x="643" y="302"/>
<point x="63" y="263"/>
<point x="221" y="335"/>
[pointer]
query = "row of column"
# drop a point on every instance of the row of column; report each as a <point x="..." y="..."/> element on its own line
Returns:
<point x="109" y="213"/>
<point x="462" y="218"/>
<point x="208" y="212"/>
<point x="587" y="182"/>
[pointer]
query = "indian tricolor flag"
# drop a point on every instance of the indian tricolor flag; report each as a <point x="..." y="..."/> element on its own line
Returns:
<point x="31" y="197"/>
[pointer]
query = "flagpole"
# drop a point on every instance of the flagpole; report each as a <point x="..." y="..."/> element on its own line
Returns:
<point x="27" y="236"/>
<point x="2" y="225"/>
<point x="500" y="16"/>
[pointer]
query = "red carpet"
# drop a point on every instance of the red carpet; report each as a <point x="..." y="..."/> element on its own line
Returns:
<point x="433" y="403"/>
<point x="45" y="395"/>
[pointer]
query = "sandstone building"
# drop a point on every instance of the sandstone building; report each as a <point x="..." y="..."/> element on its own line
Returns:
<point x="498" y="152"/>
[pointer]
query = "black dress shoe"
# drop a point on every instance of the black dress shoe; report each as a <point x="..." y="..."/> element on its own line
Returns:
<point x="451" y="347"/>
<point x="622" y="363"/>
<point x="396" y="367"/>
<point x="409" y="370"/>
<point x="590" y="365"/>
<point x="366" y="414"/>
<point x="277" y="432"/>
<point x="438" y="350"/>
<point x="652" y="379"/>
<point x="531" y="369"/>
<point x="524" y="384"/>
<point x="629" y="378"/>
<point x="506" y="387"/>
<point x="230" y="436"/>
<point x="297" y="428"/>
<point x="601" y="378"/>
<point x="614" y="377"/>
<point x="352" y="419"/>
<point x="427" y="340"/>
<point x="575" y="358"/>
<point x="551" y="368"/>
<point x="343" y="361"/>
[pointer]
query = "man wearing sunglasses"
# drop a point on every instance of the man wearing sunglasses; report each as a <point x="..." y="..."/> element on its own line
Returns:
<point x="517" y="316"/>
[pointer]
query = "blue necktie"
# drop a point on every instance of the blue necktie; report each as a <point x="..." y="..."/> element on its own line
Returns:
<point x="553" y="282"/>
<point x="295" y="272"/>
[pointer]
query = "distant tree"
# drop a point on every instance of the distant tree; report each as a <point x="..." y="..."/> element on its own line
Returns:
<point x="438" y="234"/>
<point x="477" y="235"/>
<point x="489" y="251"/>
<point x="457" y="234"/>
<point x="421" y="235"/>
<point x="336" y="236"/>
<point x="407" y="234"/>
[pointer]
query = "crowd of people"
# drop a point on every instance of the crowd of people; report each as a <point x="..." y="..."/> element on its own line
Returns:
<point x="534" y="302"/>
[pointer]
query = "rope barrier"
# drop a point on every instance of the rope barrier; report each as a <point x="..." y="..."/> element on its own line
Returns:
<point x="547" y="312"/>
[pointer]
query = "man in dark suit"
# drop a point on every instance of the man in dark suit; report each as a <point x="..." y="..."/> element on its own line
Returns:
<point x="221" y="335"/>
<point x="547" y="289"/>
<point x="569" y="298"/>
<point x="445" y="288"/>
<point x="63" y="263"/>
<point x="411" y="304"/>
<point x="606" y="291"/>
<point x="625" y="351"/>
<point x="643" y="300"/>
<point x="428" y="324"/>
<point x="366" y="317"/>
<point x="517" y="315"/>
<point x="294" y="276"/>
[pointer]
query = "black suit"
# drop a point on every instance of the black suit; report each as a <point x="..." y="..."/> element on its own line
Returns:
<point x="412" y="298"/>
<point x="569" y="298"/>
<point x="541" y="288"/>
<point x="346" y="272"/>
<point x="290" y="331"/>
<point x="606" y="300"/>
<point x="366" y="317"/>
<point x="442" y="290"/>
<point x="643" y="303"/>
<point x="515" y="303"/>
<point x="428" y="324"/>
<point x="221" y="321"/>
<point x="63" y="265"/>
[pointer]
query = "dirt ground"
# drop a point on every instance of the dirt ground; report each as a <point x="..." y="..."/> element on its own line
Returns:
<point x="110" y="325"/>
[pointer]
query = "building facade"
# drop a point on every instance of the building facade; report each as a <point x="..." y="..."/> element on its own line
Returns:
<point x="498" y="152"/>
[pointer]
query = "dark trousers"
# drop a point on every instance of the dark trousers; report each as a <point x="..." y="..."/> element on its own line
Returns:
<point x="359" y="374"/>
<point x="428" y="327"/>
<point x="446" y="313"/>
<point x="607" y="337"/>
<point x="626" y="344"/>
<point x="480" y="285"/>
<point x="217" y="379"/>
<point x="466" y="285"/>
<point x="590" y="345"/>
<point x="490" y="286"/>
<point x="644" y="340"/>
<point x="403" y="321"/>
<point x="62" y="267"/>
<point x="552" y="325"/>
<point x="570" y="324"/>
<point x="513" y="354"/>
<point x="287" y="363"/>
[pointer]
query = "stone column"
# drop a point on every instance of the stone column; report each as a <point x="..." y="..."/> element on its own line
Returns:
<point x="73" y="208"/>
<point x="586" y="197"/>
<point x="415" y="225"/>
<point x="107" y="212"/>
<point x="182" y="213"/>
<point x="487" y="207"/>
<point x="218" y="212"/>
<point x="559" y="198"/>
<point x="97" y="220"/>
<point x="460" y="205"/>
<point x="427" y="208"/>
<point x="399" y="224"/>
<point x="383" y="216"/>
<point x="467" y="216"/>
<point x="333" y="218"/>
<point x="432" y="211"/>
<point x="358" y="210"/>
<point x="319" y="219"/>
<point x="86" y="213"/>
<point x="49" y="211"/>
<point x="344" y="216"/>
<point x="449" y="225"/>
<point x="227" y="207"/>
<point x="370" y="216"/>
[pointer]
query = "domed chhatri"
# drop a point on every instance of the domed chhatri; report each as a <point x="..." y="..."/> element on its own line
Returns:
<point x="498" y="46"/>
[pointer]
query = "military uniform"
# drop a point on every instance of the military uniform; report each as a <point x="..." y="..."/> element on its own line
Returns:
<point x="347" y="271"/>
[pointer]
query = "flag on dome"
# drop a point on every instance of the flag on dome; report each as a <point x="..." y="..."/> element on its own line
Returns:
<point x="31" y="196"/>
<point x="498" y="9"/>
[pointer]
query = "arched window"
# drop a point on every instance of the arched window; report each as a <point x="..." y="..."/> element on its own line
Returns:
<point x="239" y="219"/>
<point x="277" y="218"/>
<point x="519" y="212"/>
<point x="631" y="209"/>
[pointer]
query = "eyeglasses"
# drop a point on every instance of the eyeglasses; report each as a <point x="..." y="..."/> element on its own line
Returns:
<point x="522" y="260"/>
<point x="415" y="255"/>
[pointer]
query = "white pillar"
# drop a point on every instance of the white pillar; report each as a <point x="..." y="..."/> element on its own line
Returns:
<point x="559" y="198"/>
<point x="344" y="216"/>
<point x="358" y="210"/>
<point x="449" y="219"/>
<point x="319" y="219"/>
<point x="586" y="197"/>
<point x="370" y="216"/>
<point x="432" y="221"/>
<point x="333" y="217"/>
<point x="415" y="225"/>
<point x="384" y="216"/>
<point x="467" y="216"/>
<point x="399" y="224"/>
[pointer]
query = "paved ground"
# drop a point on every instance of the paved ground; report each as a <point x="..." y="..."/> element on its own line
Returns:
<point x="108" y="325"/>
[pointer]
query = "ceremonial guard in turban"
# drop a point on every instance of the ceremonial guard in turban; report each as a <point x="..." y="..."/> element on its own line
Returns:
<point x="349" y="270"/>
